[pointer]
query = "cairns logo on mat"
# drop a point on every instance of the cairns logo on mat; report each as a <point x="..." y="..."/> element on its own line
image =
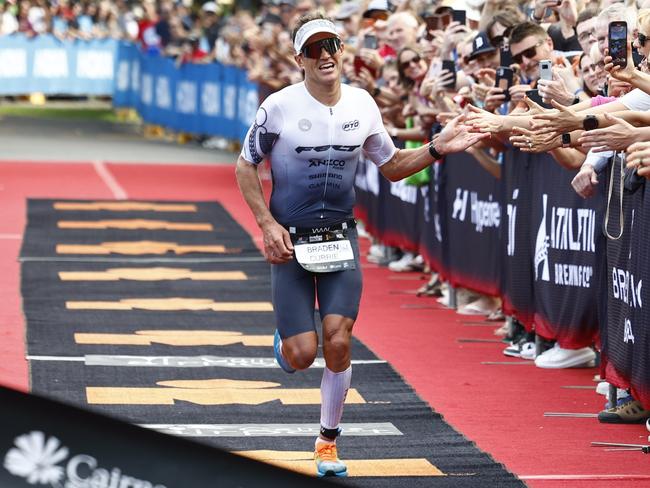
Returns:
<point x="39" y="459"/>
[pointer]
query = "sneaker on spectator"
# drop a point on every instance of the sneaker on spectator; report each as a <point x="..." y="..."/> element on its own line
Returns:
<point x="408" y="262"/>
<point x="629" y="412"/>
<point x="523" y="350"/>
<point x="559" y="358"/>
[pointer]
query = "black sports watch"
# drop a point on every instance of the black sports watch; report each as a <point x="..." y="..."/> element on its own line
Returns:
<point x="432" y="150"/>
<point x="566" y="139"/>
<point x="590" y="122"/>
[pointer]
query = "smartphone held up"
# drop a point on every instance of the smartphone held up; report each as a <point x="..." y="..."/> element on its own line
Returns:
<point x="617" y="43"/>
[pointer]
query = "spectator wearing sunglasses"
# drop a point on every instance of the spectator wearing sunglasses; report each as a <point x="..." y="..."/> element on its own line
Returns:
<point x="642" y="41"/>
<point x="530" y="44"/>
<point x="314" y="133"/>
<point x="500" y="24"/>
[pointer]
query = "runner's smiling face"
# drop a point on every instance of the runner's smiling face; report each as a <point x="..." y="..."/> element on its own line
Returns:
<point x="326" y="68"/>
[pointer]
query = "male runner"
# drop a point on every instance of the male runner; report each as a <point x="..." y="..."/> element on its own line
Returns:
<point x="313" y="132"/>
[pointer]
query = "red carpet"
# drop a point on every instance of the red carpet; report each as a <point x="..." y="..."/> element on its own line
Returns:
<point x="499" y="407"/>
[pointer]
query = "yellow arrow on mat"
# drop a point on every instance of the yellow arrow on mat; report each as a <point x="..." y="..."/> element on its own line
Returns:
<point x="302" y="462"/>
<point x="175" y="338"/>
<point x="134" y="224"/>
<point x="152" y="274"/>
<point x="139" y="247"/>
<point x="210" y="392"/>
<point x="126" y="206"/>
<point x="170" y="304"/>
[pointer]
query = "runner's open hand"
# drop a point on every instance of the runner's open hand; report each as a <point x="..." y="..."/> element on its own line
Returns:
<point x="456" y="136"/>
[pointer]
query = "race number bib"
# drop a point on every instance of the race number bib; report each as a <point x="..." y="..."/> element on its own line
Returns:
<point x="325" y="253"/>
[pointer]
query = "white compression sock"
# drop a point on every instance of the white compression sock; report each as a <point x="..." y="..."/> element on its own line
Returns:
<point x="333" y="389"/>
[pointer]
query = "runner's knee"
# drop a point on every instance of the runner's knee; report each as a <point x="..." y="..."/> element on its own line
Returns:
<point x="301" y="355"/>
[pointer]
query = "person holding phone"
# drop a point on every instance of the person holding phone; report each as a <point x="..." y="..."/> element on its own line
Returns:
<point x="314" y="133"/>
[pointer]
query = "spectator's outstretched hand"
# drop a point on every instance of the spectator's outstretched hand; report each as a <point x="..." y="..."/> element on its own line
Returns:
<point x="456" y="136"/>
<point x="533" y="108"/>
<point x="638" y="156"/>
<point x="616" y="137"/>
<point x="585" y="181"/>
<point x="533" y="142"/>
<point x="482" y="121"/>
<point x="564" y="119"/>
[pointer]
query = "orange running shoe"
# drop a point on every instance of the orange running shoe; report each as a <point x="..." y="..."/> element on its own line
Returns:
<point x="328" y="462"/>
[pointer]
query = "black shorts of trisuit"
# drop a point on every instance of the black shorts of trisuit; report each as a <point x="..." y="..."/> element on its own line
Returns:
<point x="295" y="291"/>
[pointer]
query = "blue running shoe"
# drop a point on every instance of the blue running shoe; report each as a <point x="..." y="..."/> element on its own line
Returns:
<point x="328" y="462"/>
<point x="277" y="342"/>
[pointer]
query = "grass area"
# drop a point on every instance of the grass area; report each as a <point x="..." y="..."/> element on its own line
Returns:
<point x="59" y="113"/>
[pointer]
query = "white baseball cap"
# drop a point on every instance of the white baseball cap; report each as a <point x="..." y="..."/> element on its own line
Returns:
<point x="309" y="29"/>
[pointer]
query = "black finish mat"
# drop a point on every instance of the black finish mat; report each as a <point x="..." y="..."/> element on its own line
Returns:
<point x="209" y="374"/>
<point x="67" y="229"/>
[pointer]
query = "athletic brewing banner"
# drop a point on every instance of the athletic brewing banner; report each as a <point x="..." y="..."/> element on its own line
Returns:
<point x="529" y="236"/>
<point x="626" y="361"/>
<point x="43" y="442"/>
<point x="565" y="232"/>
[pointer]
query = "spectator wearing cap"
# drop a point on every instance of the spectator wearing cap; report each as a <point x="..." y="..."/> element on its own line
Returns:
<point x="348" y="16"/>
<point x="210" y="24"/>
<point x="484" y="54"/>
<point x="376" y="10"/>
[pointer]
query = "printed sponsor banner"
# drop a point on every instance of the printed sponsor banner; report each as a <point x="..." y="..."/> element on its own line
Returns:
<point x="625" y="339"/>
<point x="43" y="442"/>
<point x="48" y="65"/>
<point x="529" y="237"/>
<point x="564" y="238"/>
<point x="517" y="270"/>
<point x="474" y="217"/>
<point x="434" y="227"/>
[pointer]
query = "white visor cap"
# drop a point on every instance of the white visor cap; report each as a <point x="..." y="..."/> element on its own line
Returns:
<point x="309" y="29"/>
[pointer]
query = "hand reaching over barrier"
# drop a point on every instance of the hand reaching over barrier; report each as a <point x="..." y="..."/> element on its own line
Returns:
<point x="532" y="141"/>
<point x="557" y="122"/>
<point x="617" y="137"/>
<point x="638" y="156"/>
<point x="483" y="121"/>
